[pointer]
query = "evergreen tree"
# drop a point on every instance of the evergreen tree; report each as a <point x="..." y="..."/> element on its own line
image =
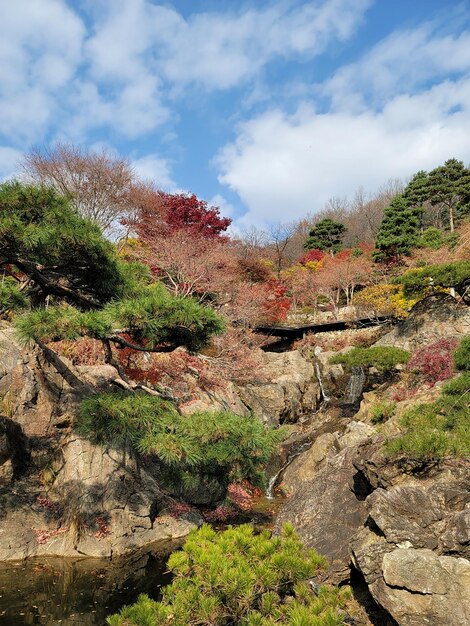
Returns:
<point x="449" y="185"/>
<point x="447" y="275"/>
<point x="399" y="230"/>
<point x="62" y="254"/>
<point x="241" y="578"/>
<point x="195" y="452"/>
<point x="76" y="284"/>
<point x="416" y="193"/>
<point x="326" y="235"/>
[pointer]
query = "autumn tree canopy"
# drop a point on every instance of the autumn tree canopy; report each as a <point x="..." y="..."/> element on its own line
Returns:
<point x="99" y="185"/>
<point x="65" y="263"/>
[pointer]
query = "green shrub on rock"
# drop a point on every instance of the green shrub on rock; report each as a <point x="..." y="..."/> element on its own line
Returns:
<point x="382" y="411"/>
<point x="462" y="355"/>
<point x="11" y="298"/>
<point x="383" y="358"/>
<point x="193" y="450"/>
<point x="438" y="429"/>
<point x="240" y="578"/>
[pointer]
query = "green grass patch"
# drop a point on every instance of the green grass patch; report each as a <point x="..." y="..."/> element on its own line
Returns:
<point x="462" y="355"/>
<point x="237" y="578"/>
<point x="383" y="358"/>
<point x="439" y="429"/>
<point x="382" y="411"/>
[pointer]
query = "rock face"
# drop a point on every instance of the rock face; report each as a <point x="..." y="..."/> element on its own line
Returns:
<point x="404" y="524"/>
<point x="414" y="551"/>
<point x="77" y="499"/>
<point x="433" y="318"/>
<point x="292" y="390"/>
<point x="100" y="504"/>
<point x="72" y="498"/>
<point x="327" y="502"/>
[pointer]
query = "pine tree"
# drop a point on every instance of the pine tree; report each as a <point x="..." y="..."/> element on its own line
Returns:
<point x="326" y="235"/>
<point x="449" y="185"/>
<point x="399" y="230"/>
<point x="194" y="451"/>
<point x="77" y="286"/>
<point x="62" y="254"/>
<point x="239" y="577"/>
<point x="416" y="193"/>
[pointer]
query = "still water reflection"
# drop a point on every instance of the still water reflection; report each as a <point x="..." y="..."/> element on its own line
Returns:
<point x="66" y="592"/>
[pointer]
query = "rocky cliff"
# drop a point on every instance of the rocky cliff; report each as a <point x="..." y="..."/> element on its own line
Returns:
<point x="61" y="495"/>
<point x="403" y="524"/>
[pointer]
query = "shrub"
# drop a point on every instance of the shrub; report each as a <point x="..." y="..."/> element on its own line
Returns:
<point x="382" y="411"/>
<point x="462" y="355"/>
<point x="432" y="237"/>
<point x="312" y="256"/>
<point x="153" y="316"/>
<point x="239" y="577"/>
<point x="416" y="281"/>
<point x="438" y="429"/>
<point x="384" y="358"/>
<point x="383" y="299"/>
<point x="194" y="450"/>
<point x="81" y="351"/>
<point x="433" y="362"/>
<point x="11" y="298"/>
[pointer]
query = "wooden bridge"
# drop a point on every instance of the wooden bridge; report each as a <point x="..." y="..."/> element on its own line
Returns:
<point x="297" y="332"/>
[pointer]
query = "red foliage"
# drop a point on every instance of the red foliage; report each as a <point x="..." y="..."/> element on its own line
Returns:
<point x="185" y="374"/>
<point x="103" y="528"/>
<point x="178" y="509"/>
<point x="278" y="303"/>
<point x="187" y="211"/>
<point x="402" y="392"/>
<point x="223" y="513"/>
<point x="161" y="212"/>
<point x="43" y="535"/>
<point x="433" y="362"/>
<point x="240" y="496"/>
<point x="311" y="255"/>
<point x="49" y="505"/>
<point x="81" y="351"/>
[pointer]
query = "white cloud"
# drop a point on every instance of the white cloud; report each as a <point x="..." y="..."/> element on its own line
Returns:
<point x="404" y="106"/>
<point x="62" y="77"/>
<point x="9" y="158"/>
<point x="233" y="48"/>
<point x="216" y="50"/>
<point x="226" y="208"/>
<point x="400" y="63"/>
<point x="40" y="49"/>
<point x="153" y="168"/>
<point x="284" y="166"/>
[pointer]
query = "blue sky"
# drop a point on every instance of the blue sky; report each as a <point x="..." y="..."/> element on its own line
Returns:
<point x="267" y="108"/>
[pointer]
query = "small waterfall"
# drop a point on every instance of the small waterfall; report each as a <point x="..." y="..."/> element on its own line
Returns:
<point x="325" y="396"/>
<point x="274" y="479"/>
<point x="355" y="385"/>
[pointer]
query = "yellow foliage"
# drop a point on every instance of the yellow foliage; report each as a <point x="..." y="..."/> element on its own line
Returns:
<point x="314" y="265"/>
<point x="384" y="299"/>
<point x="293" y="271"/>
